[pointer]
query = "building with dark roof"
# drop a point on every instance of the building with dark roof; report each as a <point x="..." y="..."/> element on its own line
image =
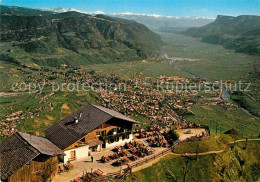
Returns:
<point x="25" y="157"/>
<point x="89" y="129"/>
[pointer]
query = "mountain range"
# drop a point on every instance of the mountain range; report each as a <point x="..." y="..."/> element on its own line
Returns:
<point x="153" y="21"/>
<point x="67" y="36"/>
<point x="241" y="33"/>
<point x="72" y="38"/>
<point x="166" y="23"/>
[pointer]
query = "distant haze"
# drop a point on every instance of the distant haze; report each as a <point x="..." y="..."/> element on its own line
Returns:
<point x="153" y="21"/>
<point x="156" y="22"/>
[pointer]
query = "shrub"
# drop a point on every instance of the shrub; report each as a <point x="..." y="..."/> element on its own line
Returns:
<point x="173" y="135"/>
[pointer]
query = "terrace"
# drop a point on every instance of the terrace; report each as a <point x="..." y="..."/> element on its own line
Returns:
<point x="87" y="166"/>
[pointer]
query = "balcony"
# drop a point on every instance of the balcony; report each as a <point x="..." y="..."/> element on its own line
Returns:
<point x="72" y="159"/>
<point x="114" y="135"/>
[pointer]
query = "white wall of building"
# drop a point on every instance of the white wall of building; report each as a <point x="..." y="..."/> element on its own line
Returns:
<point x="81" y="152"/>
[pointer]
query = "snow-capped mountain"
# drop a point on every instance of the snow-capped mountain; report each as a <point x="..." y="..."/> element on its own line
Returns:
<point x="63" y="10"/>
<point x="152" y="21"/>
<point x="160" y="22"/>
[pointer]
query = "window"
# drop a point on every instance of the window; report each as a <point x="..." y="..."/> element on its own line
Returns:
<point x="98" y="133"/>
<point x="115" y="130"/>
<point x="72" y="155"/>
<point x="104" y="132"/>
<point x="123" y="137"/>
<point x="127" y="136"/>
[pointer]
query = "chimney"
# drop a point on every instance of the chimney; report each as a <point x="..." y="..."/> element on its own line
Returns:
<point x="80" y="114"/>
<point x="76" y="120"/>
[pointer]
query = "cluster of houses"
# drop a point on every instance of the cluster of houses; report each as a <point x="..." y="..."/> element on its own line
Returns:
<point x="145" y="99"/>
<point x="25" y="157"/>
<point x="175" y="59"/>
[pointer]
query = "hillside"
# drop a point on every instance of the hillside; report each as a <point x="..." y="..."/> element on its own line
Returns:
<point x="239" y="162"/>
<point x="240" y="33"/>
<point x="73" y="38"/>
<point x="20" y="11"/>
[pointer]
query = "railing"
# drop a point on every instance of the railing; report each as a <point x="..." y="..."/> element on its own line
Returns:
<point x="148" y="159"/>
<point x="155" y="156"/>
<point x="105" y="177"/>
<point x="72" y="159"/>
<point x="114" y="135"/>
<point x="128" y="171"/>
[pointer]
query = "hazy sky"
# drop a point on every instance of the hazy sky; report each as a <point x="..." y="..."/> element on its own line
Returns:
<point x="198" y="8"/>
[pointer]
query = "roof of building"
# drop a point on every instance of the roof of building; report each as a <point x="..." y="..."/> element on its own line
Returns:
<point x="67" y="131"/>
<point x="94" y="142"/>
<point x="43" y="145"/>
<point x="21" y="148"/>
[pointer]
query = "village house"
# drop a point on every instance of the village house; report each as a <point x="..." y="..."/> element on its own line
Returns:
<point x="90" y="129"/>
<point x="28" y="158"/>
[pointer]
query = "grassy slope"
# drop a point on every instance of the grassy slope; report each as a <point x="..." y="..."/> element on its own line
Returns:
<point x="80" y="39"/>
<point x="238" y="163"/>
<point x="226" y="119"/>
<point x="240" y="33"/>
<point x="215" y="143"/>
<point x="50" y="111"/>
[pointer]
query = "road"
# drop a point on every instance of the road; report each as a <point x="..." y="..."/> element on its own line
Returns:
<point x="215" y="151"/>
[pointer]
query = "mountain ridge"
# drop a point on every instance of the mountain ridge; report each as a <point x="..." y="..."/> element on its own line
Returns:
<point x="152" y="21"/>
<point x="240" y="33"/>
<point x="83" y="38"/>
<point x="165" y="23"/>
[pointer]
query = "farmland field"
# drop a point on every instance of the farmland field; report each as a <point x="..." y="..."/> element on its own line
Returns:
<point x="46" y="112"/>
<point x="214" y="63"/>
<point x="128" y="70"/>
